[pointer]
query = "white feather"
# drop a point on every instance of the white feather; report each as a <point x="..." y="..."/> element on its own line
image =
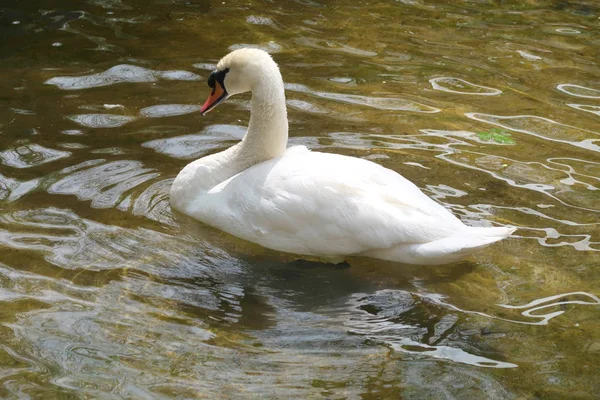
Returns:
<point x="319" y="204"/>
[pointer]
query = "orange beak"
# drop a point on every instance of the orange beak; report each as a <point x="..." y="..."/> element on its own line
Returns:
<point x="218" y="94"/>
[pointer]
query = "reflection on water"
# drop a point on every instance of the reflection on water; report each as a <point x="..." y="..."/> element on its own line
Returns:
<point x="101" y="120"/>
<point x="27" y="155"/>
<point x="579" y="91"/>
<point x="543" y="128"/>
<point x="385" y="320"/>
<point x="460" y="86"/>
<point x="105" y="293"/>
<point x="380" y="103"/>
<point x="118" y="74"/>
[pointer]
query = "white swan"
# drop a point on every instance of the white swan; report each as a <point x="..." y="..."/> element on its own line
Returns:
<point x="310" y="203"/>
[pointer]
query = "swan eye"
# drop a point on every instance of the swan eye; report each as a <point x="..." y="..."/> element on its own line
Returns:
<point x="217" y="76"/>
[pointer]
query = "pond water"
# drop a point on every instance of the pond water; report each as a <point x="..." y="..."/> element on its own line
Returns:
<point x="492" y="109"/>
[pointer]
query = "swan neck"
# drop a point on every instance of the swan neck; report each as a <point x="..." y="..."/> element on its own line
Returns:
<point x="268" y="128"/>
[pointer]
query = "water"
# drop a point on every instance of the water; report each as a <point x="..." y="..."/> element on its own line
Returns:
<point x="105" y="293"/>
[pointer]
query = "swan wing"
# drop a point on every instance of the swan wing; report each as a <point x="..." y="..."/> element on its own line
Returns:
<point x="324" y="204"/>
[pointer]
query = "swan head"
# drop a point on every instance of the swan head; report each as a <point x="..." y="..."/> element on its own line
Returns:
<point x="240" y="71"/>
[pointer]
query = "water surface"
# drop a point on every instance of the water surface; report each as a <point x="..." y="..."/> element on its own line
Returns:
<point x="493" y="110"/>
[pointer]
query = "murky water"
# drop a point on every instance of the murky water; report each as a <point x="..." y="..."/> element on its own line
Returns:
<point x="492" y="109"/>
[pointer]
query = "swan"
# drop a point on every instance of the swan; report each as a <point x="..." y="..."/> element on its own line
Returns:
<point x="309" y="203"/>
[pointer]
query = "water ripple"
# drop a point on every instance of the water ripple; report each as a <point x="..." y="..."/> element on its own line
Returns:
<point x="460" y="86"/>
<point x="532" y="307"/>
<point x="168" y="110"/>
<point x="333" y="46"/>
<point x="194" y="146"/>
<point x="555" y="183"/>
<point x="380" y="103"/>
<point x="568" y="31"/>
<point x="579" y="91"/>
<point x="384" y="317"/>
<point x="528" y="56"/>
<point x="27" y="155"/>
<point x="105" y="184"/>
<point x="586" y="108"/>
<point x="101" y="120"/>
<point x="154" y="202"/>
<point x="118" y="74"/>
<point x="259" y="20"/>
<point x="307" y="107"/>
<point x="543" y="128"/>
<point x="13" y="189"/>
<point x="71" y="242"/>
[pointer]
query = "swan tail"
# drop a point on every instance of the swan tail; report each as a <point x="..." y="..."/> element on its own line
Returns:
<point x="461" y="244"/>
<point x="446" y="250"/>
<point x="498" y="232"/>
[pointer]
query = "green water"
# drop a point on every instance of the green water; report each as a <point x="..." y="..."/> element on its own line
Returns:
<point x="492" y="108"/>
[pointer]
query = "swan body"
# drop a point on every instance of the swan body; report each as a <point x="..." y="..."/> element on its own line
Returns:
<point x="311" y="203"/>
